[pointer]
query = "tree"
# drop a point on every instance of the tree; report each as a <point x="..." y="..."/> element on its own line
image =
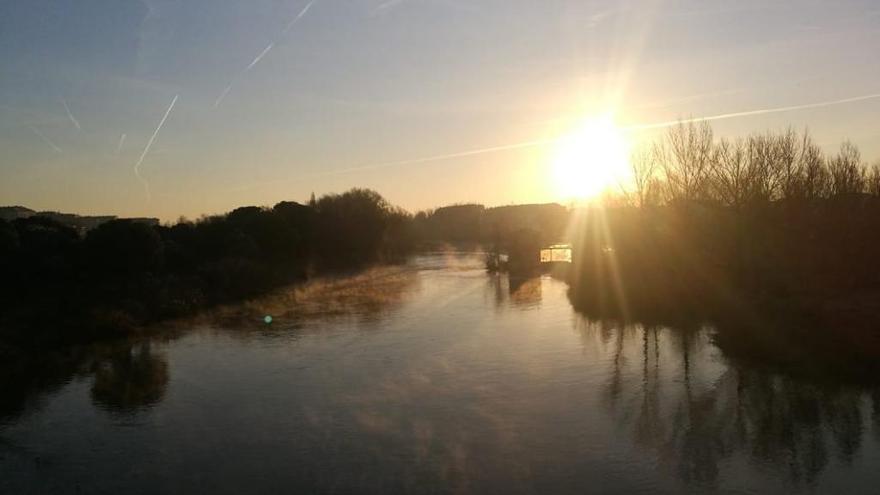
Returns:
<point x="685" y="157"/>
<point x="351" y="226"/>
<point x="730" y="177"/>
<point x="123" y="248"/>
<point x="814" y="174"/>
<point x="644" y="172"/>
<point x="847" y="174"/>
<point x="873" y="180"/>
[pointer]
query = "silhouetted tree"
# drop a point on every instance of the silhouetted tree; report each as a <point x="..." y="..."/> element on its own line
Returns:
<point x="645" y="184"/>
<point x="873" y="180"/>
<point x="685" y="158"/>
<point x="847" y="173"/>
<point x="123" y="249"/>
<point x="127" y="272"/>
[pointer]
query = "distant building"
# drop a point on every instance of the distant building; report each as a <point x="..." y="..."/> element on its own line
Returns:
<point x="557" y="253"/>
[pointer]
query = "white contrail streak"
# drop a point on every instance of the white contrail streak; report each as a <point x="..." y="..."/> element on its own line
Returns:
<point x="137" y="166"/>
<point x="635" y="127"/>
<point x="459" y="154"/>
<point x="223" y="95"/>
<point x="262" y="54"/>
<point x="480" y="151"/>
<point x="70" y="115"/>
<point x="543" y="142"/>
<point x="299" y="16"/>
<point x="389" y="4"/>
<point x="45" y="139"/>
<point x="121" y="142"/>
<point x="749" y="113"/>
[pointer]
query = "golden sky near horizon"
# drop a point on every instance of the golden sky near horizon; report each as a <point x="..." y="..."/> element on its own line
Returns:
<point x="163" y="109"/>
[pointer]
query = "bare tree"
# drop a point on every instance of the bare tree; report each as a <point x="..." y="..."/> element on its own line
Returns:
<point x="873" y="180"/>
<point x="645" y="182"/>
<point x="786" y="154"/>
<point x="730" y="177"/>
<point x="815" y="180"/>
<point x="847" y="174"/>
<point x="764" y="166"/>
<point x="688" y="164"/>
<point x="685" y="160"/>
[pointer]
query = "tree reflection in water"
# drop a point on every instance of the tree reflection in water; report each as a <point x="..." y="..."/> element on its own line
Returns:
<point x="517" y="291"/>
<point x="127" y="376"/>
<point x="129" y="379"/>
<point x="677" y="397"/>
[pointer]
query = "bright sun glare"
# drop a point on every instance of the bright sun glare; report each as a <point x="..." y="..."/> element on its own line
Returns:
<point x="591" y="159"/>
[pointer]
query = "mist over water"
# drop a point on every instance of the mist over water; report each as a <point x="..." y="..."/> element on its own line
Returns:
<point x="434" y="377"/>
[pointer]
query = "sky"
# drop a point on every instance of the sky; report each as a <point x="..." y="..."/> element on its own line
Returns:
<point x="166" y="108"/>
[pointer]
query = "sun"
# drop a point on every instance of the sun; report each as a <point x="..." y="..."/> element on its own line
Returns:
<point x="592" y="159"/>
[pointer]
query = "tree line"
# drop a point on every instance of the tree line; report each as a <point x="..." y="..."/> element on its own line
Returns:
<point x="60" y="286"/>
<point x="690" y="164"/>
<point x="764" y="235"/>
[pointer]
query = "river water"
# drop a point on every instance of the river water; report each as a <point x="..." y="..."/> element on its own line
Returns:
<point x="434" y="377"/>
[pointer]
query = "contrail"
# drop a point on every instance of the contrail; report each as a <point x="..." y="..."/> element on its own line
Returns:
<point x="749" y="113"/>
<point x="70" y="115"/>
<point x="222" y="95"/>
<point x="137" y="166"/>
<point x="45" y="139"/>
<point x="635" y="127"/>
<point x="299" y="16"/>
<point x="121" y="142"/>
<point x="389" y="4"/>
<point x="459" y="154"/>
<point x="479" y="151"/>
<point x="543" y="142"/>
<point x="262" y="54"/>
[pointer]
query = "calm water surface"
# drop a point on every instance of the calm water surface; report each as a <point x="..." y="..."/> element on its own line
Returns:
<point x="431" y="378"/>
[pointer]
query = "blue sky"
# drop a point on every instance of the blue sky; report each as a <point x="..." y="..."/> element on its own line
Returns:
<point x="356" y="92"/>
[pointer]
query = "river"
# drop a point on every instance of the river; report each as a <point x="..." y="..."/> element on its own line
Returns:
<point x="434" y="377"/>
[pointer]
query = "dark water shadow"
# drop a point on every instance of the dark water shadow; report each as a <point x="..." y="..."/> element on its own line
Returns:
<point x="675" y="395"/>
<point x="127" y="376"/>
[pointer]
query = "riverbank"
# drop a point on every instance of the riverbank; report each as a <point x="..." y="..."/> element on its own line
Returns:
<point x="38" y="326"/>
<point x="61" y="287"/>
